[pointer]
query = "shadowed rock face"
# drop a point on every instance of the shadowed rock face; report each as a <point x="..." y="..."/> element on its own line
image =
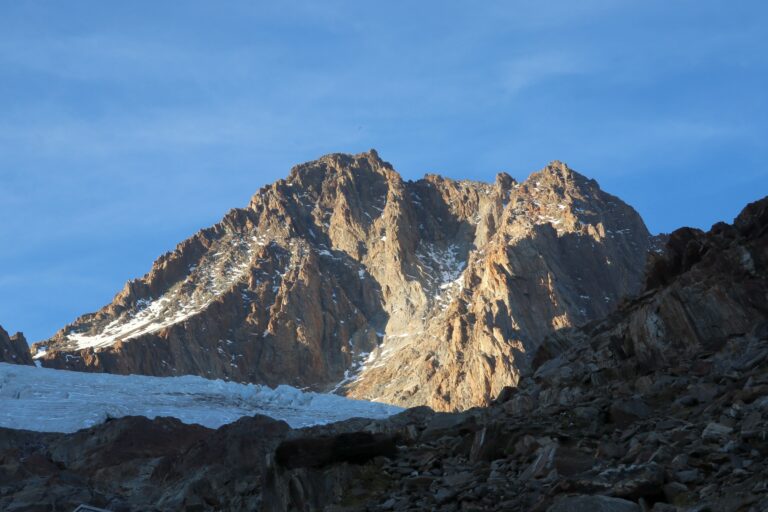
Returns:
<point x="344" y="276"/>
<point x="134" y="463"/>
<point x="14" y="349"/>
<point x="705" y="293"/>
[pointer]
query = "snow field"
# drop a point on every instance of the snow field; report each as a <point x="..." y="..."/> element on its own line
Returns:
<point x="49" y="400"/>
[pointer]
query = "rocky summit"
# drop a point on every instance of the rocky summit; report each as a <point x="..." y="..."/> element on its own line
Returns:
<point x="344" y="277"/>
<point x="660" y="406"/>
<point x="14" y="349"/>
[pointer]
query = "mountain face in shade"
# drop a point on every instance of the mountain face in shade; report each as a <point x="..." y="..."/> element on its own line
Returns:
<point x="14" y="349"/>
<point x="346" y="277"/>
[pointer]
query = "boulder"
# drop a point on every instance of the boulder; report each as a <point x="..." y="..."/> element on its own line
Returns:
<point x="593" y="504"/>
<point x="352" y="447"/>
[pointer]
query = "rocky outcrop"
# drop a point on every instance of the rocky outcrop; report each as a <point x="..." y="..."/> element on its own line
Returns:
<point x="659" y="407"/>
<point x="706" y="293"/>
<point x="559" y="253"/>
<point x="138" y="464"/>
<point x="344" y="276"/>
<point x="14" y="349"/>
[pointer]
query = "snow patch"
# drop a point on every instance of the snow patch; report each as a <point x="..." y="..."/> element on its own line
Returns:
<point x="445" y="270"/>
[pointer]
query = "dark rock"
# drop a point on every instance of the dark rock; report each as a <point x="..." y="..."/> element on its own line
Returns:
<point x="673" y="490"/>
<point x="753" y="425"/>
<point x="624" y="481"/>
<point x="445" y="494"/>
<point x="570" y="461"/>
<point x="688" y="476"/>
<point x="489" y="443"/>
<point x="593" y="504"/>
<point x="506" y="393"/>
<point x="354" y="447"/>
<point x="625" y="412"/>
<point x="443" y="423"/>
<point x="716" y="432"/>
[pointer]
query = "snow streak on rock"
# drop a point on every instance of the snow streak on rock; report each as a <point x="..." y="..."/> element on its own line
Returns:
<point x="217" y="274"/>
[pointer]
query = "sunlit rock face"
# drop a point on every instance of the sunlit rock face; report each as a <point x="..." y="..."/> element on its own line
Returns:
<point x="14" y="349"/>
<point x="346" y="277"/>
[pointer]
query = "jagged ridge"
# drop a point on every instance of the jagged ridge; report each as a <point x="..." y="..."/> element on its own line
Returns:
<point x="344" y="276"/>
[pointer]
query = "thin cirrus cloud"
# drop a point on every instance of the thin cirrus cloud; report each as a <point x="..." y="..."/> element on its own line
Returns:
<point x="178" y="97"/>
<point x="532" y="69"/>
<point x="56" y="133"/>
<point x="121" y="132"/>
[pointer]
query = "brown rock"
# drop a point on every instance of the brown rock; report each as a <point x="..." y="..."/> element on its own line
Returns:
<point x="14" y="349"/>
<point x="344" y="276"/>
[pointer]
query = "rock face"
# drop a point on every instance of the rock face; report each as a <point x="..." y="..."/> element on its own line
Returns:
<point x="594" y="425"/>
<point x="706" y="293"/>
<point x="14" y="349"/>
<point x="346" y="277"/>
<point x="660" y="406"/>
<point x="138" y="464"/>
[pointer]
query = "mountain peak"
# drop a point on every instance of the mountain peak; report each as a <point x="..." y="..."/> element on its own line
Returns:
<point x="558" y="164"/>
<point x="560" y="177"/>
<point x="346" y="277"/>
<point x="559" y="169"/>
<point x="335" y="165"/>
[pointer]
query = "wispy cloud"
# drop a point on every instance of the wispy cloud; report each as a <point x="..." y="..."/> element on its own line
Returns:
<point x="531" y="69"/>
<point x="56" y="133"/>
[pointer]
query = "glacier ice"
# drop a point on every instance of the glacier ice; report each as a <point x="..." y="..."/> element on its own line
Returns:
<point x="48" y="400"/>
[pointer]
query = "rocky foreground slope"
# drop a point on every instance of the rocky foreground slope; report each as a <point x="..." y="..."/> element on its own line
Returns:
<point x="660" y="406"/>
<point x="14" y="349"/>
<point x="344" y="276"/>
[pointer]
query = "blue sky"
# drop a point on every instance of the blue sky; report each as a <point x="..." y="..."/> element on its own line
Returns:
<point x="127" y="126"/>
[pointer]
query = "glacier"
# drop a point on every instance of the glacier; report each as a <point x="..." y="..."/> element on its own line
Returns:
<point x="48" y="400"/>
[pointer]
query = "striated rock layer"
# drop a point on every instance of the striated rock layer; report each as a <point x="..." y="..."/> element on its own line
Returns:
<point x="346" y="277"/>
<point x="660" y="407"/>
<point x="14" y="349"/>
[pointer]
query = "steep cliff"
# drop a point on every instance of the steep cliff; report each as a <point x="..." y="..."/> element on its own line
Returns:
<point x="661" y="406"/>
<point x="344" y="276"/>
<point x="14" y="349"/>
